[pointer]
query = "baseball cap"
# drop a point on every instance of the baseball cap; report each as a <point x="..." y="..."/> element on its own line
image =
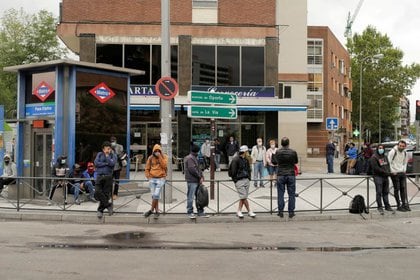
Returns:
<point x="243" y="148"/>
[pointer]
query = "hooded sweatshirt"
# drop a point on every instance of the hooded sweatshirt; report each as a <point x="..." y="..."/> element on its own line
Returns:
<point x="397" y="160"/>
<point x="156" y="166"/>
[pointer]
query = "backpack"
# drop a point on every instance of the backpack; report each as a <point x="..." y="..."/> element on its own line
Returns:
<point x="202" y="196"/>
<point x="357" y="205"/>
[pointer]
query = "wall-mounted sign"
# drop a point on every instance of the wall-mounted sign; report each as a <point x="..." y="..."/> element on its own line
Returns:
<point x="43" y="91"/>
<point x="143" y="90"/>
<point x="102" y="92"/>
<point x="240" y="92"/>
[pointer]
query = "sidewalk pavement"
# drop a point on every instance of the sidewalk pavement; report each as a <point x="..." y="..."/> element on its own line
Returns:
<point x="129" y="209"/>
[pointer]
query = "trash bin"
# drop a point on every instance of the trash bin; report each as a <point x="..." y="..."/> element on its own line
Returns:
<point x="416" y="162"/>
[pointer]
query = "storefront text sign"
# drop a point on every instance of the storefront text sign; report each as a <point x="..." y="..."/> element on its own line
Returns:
<point x="240" y="92"/>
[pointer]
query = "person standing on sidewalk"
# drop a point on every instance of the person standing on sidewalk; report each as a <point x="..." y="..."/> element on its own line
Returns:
<point x="155" y="171"/>
<point x="329" y="153"/>
<point x="397" y="158"/>
<point x="118" y="150"/>
<point x="285" y="158"/>
<point x="272" y="169"/>
<point x="232" y="148"/>
<point x="104" y="163"/>
<point x="240" y="172"/>
<point x="194" y="177"/>
<point x="258" y="160"/>
<point x="379" y="167"/>
<point x="206" y="153"/>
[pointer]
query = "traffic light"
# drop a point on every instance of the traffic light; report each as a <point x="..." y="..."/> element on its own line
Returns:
<point x="417" y="110"/>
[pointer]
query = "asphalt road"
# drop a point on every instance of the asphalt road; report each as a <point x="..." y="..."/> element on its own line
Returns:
<point x="387" y="248"/>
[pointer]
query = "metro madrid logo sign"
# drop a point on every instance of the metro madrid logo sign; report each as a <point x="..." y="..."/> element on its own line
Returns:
<point x="102" y="92"/>
<point x="43" y="91"/>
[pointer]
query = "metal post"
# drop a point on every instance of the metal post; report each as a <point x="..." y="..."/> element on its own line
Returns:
<point x="166" y="105"/>
<point x="212" y="156"/>
<point x="360" y="106"/>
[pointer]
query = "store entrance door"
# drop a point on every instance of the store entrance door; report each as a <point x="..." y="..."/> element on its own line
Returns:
<point x="42" y="157"/>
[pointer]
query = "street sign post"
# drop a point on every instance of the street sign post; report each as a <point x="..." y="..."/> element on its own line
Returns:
<point x="331" y="123"/>
<point x="212" y="97"/>
<point x="214" y="112"/>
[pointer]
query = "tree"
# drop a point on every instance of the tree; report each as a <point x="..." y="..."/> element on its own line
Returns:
<point x="386" y="76"/>
<point x="25" y="38"/>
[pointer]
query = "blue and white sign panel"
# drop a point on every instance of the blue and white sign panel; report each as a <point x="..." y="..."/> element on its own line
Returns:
<point x="40" y="109"/>
<point x="331" y="123"/>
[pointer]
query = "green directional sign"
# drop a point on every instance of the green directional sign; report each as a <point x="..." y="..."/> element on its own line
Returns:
<point x="212" y="112"/>
<point x="212" y="97"/>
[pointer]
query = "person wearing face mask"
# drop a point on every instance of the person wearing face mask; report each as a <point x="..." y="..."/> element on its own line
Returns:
<point x="118" y="150"/>
<point x="61" y="171"/>
<point x="89" y="185"/>
<point x="397" y="158"/>
<point x="379" y="166"/>
<point x="206" y="153"/>
<point x="258" y="161"/>
<point x="155" y="171"/>
<point x="272" y="169"/>
<point x="9" y="172"/>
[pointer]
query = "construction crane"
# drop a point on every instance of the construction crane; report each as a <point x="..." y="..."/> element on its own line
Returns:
<point x="350" y="20"/>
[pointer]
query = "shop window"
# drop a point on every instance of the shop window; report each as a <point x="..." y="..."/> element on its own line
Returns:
<point x="203" y="65"/>
<point x="227" y="66"/>
<point x="252" y="66"/>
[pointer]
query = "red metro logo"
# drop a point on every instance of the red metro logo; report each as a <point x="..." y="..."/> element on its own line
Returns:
<point x="102" y="92"/>
<point x="43" y="91"/>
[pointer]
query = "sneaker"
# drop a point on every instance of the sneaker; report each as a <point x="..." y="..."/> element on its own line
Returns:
<point x="401" y="209"/>
<point x="291" y="215"/>
<point x="262" y="186"/>
<point x="239" y="214"/>
<point x="99" y="214"/>
<point x="49" y="203"/>
<point x="92" y="199"/>
<point x="280" y="214"/>
<point x="156" y="215"/>
<point x="110" y="210"/>
<point x="381" y="211"/>
<point x="388" y="208"/>
<point x="252" y="214"/>
<point x="407" y="208"/>
<point x="148" y="213"/>
<point x="191" y="216"/>
<point x="77" y="202"/>
<point x="218" y="169"/>
<point x="203" y="215"/>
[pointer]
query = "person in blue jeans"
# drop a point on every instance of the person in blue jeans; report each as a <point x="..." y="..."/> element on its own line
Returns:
<point x="89" y="185"/>
<point x="194" y="177"/>
<point x="329" y="153"/>
<point x="285" y="158"/>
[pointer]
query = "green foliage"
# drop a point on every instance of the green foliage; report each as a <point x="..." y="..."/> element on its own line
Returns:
<point x="25" y="38"/>
<point x="386" y="76"/>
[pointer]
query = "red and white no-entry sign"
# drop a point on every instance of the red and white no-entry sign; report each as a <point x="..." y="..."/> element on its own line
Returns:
<point x="166" y="88"/>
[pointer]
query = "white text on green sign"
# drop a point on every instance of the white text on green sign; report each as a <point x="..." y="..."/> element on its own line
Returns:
<point x="212" y="97"/>
<point x="212" y="112"/>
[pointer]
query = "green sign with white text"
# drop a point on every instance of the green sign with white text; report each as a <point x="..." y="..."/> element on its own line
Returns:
<point x="212" y="112"/>
<point x="212" y="97"/>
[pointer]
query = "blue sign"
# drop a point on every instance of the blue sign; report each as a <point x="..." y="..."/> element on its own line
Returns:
<point x="39" y="109"/>
<point x="412" y="137"/>
<point x="240" y="92"/>
<point x="331" y="123"/>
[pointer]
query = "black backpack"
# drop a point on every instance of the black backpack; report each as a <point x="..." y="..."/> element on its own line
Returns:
<point x="202" y="196"/>
<point x="357" y="205"/>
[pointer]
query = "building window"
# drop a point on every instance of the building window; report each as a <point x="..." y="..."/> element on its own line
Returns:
<point x="315" y="82"/>
<point x="228" y="65"/>
<point x="204" y="3"/>
<point x="285" y="92"/>
<point x="109" y="54"/>
<point x="342" y="67"/>
<point x="315" y="106"/>
<point x="315" y="52"/>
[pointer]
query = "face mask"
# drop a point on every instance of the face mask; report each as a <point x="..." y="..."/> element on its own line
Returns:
<point x="63" y="161"/>
<point x="6" y="162"/>
<point x="113" y="144"/>
<point x="156" y="154"/>
<point x="259" y="143"/>
<point x="381" y="151"/>
<point x="207" y="141"/>
<point x="273" y="146"/>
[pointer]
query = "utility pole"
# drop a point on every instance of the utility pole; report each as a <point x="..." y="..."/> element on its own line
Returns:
<point x="166" y="105"/>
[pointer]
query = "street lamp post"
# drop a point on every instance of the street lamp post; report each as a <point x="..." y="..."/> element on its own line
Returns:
<point x="376" y="57"/>
<point x="379" y="122"/>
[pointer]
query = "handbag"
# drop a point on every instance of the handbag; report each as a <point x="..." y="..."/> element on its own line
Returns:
<point x="264" y="172"/>
<point x="296" y="170"/>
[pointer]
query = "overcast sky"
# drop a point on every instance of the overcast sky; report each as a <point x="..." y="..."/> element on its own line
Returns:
<point x="399" y="19"/>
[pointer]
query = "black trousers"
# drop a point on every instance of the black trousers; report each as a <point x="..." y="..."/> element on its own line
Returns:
<point x="6" y="181"/>
<point x="116" y="176"/>
<point x="400" y="189"/>
<point x="103" y="188"/>
<point x="382" y="190"/>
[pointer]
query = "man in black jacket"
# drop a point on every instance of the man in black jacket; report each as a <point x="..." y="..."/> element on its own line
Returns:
<point x="379" y="167"/>
<point x="285" y="158"/>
